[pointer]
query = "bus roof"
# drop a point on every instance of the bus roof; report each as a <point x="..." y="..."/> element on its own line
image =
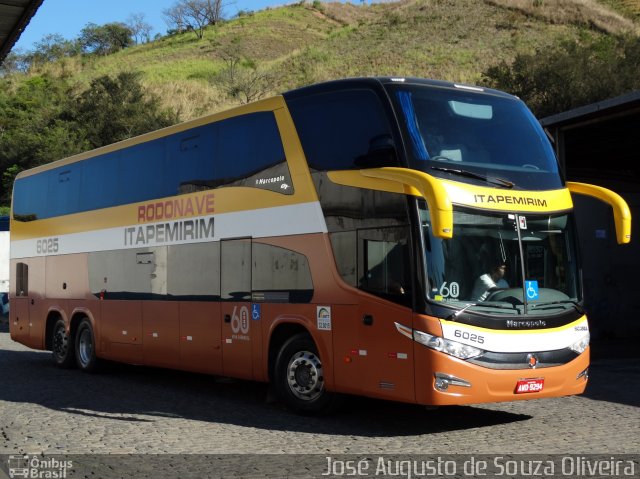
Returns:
<point x="377" y="82"/>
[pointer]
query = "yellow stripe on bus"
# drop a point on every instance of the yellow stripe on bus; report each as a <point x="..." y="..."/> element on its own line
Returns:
<point x="508" y="200"/>
<point x="467" y="195"/>
<point x="210" y="202"/>
<point x="518" y="331"/>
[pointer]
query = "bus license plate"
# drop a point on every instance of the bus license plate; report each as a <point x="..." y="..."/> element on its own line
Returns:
<point x="529" y="386"/>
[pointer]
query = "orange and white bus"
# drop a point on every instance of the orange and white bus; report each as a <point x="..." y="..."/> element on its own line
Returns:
<point x="397" y="238"/>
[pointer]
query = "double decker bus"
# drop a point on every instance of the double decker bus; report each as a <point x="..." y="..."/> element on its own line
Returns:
<point x="397" y="238"/>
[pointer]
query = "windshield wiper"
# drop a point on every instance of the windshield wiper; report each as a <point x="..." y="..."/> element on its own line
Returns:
<point x="494" y="180"/>
<point x="575" y="304"/>
<point x="459" y="312"/>
<point x="455" y="315"/>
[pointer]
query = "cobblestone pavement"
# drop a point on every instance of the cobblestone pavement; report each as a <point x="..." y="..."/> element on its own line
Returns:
<point x="136" y="410"/>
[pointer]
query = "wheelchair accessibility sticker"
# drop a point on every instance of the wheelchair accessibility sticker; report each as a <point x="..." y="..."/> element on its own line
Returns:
<point x="256" y="312"/>
<point x="531" y="288"/>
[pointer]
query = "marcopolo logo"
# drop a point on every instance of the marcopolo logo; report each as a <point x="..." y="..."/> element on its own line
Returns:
<point x="266" y="181"/>
<point x="38" y="467"/>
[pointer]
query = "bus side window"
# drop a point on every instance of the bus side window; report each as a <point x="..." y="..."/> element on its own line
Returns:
<point x="235" y="269"/>
<point x="370" y="237"/>
<point x="22" y="279"/>
<point x="383" y="263"/>
<point x="280" y="275"/>
<point x="258" y="163"/>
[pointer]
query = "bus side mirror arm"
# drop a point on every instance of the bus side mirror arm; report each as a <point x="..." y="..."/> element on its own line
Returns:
<point x="440" y="208"/>
<point x="408" y="182"/>
<point x="621" y="212"/>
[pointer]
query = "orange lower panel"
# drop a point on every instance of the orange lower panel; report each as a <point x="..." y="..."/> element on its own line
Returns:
<point x="491" y="385"/>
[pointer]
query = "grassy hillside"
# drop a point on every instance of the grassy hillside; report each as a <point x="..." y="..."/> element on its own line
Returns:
<point x="304" y="43"/>
<point x="629" y="8"/>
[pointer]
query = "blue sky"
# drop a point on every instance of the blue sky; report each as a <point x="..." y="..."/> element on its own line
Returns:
<point x="68" y="17"/>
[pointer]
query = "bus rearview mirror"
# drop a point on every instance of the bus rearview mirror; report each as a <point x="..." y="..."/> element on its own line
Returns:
<point x="621" y="212"/>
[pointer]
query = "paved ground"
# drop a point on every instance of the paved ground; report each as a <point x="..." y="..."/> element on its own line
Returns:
<point x="135" y="410"/>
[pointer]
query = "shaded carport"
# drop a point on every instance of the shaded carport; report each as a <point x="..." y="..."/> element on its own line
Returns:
<point x="14" y="17"/>
<point x="600" y="144"/>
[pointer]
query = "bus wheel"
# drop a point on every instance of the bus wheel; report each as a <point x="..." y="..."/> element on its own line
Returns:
<point x="61" y="346"/>
<point x="299" y="378"/>
<point x="86" y="347"/>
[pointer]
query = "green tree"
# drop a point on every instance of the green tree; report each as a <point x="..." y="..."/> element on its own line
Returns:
<point x="570" y="74"/>
<point x="117" y="108"/>
<point x="46" y="119"/>
<point x="8" y="177"/>
<point x="53" y="47"/>
<point x="105" y="39"/>
<point x="15" y="62"/>
<point x="33" y="128"/>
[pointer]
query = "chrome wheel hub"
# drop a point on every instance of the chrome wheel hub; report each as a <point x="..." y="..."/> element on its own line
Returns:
<point x="85" y="347"/>
<point x="305" y="376"/>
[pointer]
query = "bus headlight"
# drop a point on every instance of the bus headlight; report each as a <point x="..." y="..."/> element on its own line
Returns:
<point x="581" y="345"/>
<point x="453" y="348"/>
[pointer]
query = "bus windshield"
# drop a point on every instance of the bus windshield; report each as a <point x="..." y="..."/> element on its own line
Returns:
<point x="503" y="263"/>
<point x="480" y="138"/>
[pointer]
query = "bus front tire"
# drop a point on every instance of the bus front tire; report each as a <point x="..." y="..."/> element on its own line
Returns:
<point x="85" y="347"/>
<point x="62" y="346"/>
<point x="299" y="377"/>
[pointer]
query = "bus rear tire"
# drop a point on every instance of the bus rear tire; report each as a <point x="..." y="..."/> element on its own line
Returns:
<point x="85" y="347"/>
<point x="298" y="377"/>
<point x="62" y="350"/>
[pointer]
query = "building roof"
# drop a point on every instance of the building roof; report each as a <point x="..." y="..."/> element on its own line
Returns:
<point x="599" y="142"/>
<point x="14" y="17"/>
<point x="620" y="105"/>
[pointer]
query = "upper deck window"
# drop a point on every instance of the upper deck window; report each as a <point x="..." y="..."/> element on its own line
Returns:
<point x="465" y="135"/>
<point x="344" y="129"/>
<point x="240" y="151"/>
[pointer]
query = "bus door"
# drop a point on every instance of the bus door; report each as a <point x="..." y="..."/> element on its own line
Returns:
<point x="385" y="356"/>
<point x="19" y="310"/>
<point x="235" y="310"/>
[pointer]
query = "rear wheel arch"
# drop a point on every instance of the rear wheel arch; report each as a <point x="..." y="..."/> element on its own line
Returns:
<point x="76" y="319"/>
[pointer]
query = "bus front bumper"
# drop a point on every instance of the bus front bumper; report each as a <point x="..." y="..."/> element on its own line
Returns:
<point x="444" y="380"/>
